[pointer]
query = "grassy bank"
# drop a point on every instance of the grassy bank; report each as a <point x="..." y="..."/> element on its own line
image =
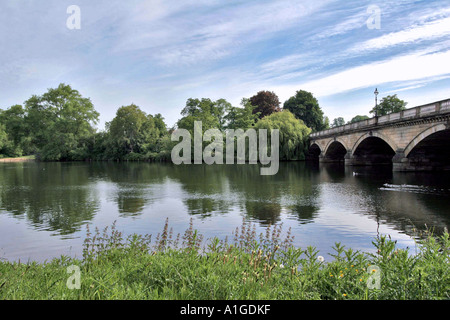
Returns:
<point x="249" y="266"/>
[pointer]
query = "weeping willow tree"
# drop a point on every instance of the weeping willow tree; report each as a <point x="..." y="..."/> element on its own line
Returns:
<point x="293" y="134"/>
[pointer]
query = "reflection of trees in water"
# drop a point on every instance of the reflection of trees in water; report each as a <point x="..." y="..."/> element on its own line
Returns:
<point x="132" y="179"/>
<point x="206" y="188"/>
<point x="130" y="204"/>
<point x="60" y="196"/>
<point x="268" y="213"/>
<point x="142" y="173"/>
<point x="53" y="196"/>
<point x="206" y="206"/>
<point x="305" y="213"/>
<point x="292" y="189"/>
<point x="220" y="188"/>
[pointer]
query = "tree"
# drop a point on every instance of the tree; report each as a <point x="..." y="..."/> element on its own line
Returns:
<point x="293" y="134"/>
<point x="265" y="103"/>
<point x="358" y="118"/>
<point x="389" y="104"/>
<point x="3" y="138"/>
<point x="134" y="135"/>
<point x="338" y="122"/>
<point x="160" y="124"/>
<point x="241" y="118"/>
<point x="58" y="121"/>
<point x="211" y="113"/>
<point x="326" y="123"/>
<point x="306" y="108"/>
<point x="15" y="125"/>
<point x="125" y="130"/>
<point x="153" y="131"/>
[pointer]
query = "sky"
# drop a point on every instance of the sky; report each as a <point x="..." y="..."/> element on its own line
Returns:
<point x="159" y="53"/>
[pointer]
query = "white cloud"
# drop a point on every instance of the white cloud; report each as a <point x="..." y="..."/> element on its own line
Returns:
<point x="402" y="68"/>
<point x="285" y="64"/>
<point x="173" y="39"/>
<point x="431" y="30"/>
<point x="355" y="22"/>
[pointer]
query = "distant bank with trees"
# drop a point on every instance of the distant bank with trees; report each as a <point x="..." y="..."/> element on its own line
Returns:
<point x="387" y="105"/>
<point x="59" y="125"/>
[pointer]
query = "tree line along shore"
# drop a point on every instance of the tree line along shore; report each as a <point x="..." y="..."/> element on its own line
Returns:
<point x="59" y="125"/>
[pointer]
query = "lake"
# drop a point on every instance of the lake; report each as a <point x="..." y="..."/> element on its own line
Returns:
<point x="45" y="207"/>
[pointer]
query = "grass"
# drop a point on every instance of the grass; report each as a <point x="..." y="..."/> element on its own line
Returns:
<point x="248" y="267"/>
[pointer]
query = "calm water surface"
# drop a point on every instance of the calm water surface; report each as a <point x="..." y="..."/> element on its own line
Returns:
<point x="45" y="207"/>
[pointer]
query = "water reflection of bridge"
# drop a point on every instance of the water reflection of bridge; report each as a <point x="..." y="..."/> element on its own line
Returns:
<point x="408" y="201"/>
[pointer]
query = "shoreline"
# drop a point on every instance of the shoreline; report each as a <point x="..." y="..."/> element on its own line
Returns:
<point x="21" y="159"/>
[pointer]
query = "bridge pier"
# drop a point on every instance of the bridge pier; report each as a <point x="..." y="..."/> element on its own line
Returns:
<point x="325" y="159"/>
<point x="348" y="159"/>
<point x="401" y="163"/>
<point x="421" y="163"/>
<point x="366" y="160"/>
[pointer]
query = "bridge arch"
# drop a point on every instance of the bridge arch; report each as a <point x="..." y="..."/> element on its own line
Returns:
<point x="373" y="148"/>
<point x="423" y="135"/>
<point x="314" y="145"/>
<point x="344" y="144"/>
<point x="335" y="150"/>
<point x="314" y="152"/>
<point x="375" y="134"/>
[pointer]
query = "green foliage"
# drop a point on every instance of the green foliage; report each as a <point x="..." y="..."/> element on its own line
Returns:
<point x="210" y="113"/>
<point x="389" y="104"/>
<point x="241" y="118"/>
<point x="3" y="139"/>
<point x="358" y="118"/>
<point x="59" y="126"/>
<point x="338" y="122"/>
<point x="134" y="135"/>
<point x="293" y="134"/>
<point x="18" y="136"/>
<point x="326" y="123"/>
<point x="126" y="130"/>
<point x="251" y="267"/>
<point x="305" y="107"/>
<point x="57" y="120"/>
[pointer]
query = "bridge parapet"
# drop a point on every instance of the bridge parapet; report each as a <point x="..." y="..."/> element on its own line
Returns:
<point x="424" y="111"/>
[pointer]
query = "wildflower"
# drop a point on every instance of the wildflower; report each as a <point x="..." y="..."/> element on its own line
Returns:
<point x="344" y="294"/>
<point x="281" y="266"/>
<point x="320" y="258"/>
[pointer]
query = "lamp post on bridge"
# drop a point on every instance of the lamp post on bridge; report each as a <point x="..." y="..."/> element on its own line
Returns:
<point x="376" y="102"/>
<point x="376" y="105"/>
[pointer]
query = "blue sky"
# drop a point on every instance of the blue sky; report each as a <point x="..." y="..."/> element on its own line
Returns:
<point x="159" y="53"/>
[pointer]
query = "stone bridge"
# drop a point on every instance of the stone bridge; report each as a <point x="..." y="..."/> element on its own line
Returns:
<point x="416" y="139"/>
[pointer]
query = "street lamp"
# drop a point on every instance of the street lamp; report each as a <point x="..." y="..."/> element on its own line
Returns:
<point x="376" y="102"/>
